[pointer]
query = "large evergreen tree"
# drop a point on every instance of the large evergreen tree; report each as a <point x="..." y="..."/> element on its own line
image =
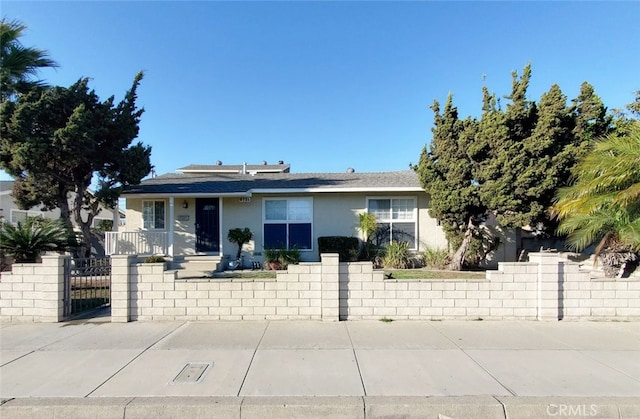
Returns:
<point x="591" y="120"/>
<point x="446" y="171"/>
<point x="509" y="163"/>
<point x="55" y="142"/>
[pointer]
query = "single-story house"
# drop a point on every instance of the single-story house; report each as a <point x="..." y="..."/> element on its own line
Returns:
<point x="191" y="212"/>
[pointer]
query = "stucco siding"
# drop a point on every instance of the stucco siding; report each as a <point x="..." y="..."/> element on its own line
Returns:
<point x="237" y="214"/>
<point x="184" y="225"/>
<point x="334" y="214"/>
<point x="430" y="234"/>
<point x="134" y="214"/>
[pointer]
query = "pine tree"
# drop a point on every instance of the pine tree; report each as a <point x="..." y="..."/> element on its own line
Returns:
<point x="446" y="173"/>
<point x="590" y="117"/>
<point x="508" y="164"/>
<point x="54" y="143"/>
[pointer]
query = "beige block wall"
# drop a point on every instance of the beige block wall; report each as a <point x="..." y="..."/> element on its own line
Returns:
<point x="33" y="292"/>
<point x="509" y="293"/>
<point x="546" y="288"/>
<point x="157" y="295"/>
<point x="598" y="298"/>
<point x="329" y="290"/>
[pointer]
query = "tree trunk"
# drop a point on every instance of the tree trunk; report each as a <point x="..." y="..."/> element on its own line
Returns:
<point x="65" y="217"/>
<point x="458" y="258"/>
<point x="85" y="225"/>
<point x="65" y="211"/>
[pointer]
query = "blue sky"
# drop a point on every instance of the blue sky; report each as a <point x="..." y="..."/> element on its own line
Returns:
<point x="324" y="85"/>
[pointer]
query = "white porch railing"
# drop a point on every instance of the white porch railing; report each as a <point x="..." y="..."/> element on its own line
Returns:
<point x="136" y="243"/>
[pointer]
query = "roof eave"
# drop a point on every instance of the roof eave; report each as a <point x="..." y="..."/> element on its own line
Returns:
<point x="282" y="191"/>
<point x="184" y="195"/>
<point x="338" y="190"/>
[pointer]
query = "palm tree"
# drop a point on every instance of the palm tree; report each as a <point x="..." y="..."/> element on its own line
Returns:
<point x="17" y="62"/>
<point x="603" y="205"/>
<point x="28" y="239"/>
<point x="240" y="237"/>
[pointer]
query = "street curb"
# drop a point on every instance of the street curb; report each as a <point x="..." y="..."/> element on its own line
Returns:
<point x="323" y="407"/>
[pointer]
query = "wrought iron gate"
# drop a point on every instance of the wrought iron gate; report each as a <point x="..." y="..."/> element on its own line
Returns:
<point x="87" y="284"/>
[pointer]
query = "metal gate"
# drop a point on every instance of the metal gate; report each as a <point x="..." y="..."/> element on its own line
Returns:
<point x="87" y="284"/>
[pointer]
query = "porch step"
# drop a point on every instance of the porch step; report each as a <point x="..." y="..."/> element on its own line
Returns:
<point x="196" y="266"/>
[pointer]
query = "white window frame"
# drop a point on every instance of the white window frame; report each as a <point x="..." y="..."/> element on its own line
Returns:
<point x="391" y="220"/>
<point x="164" y="202"/>
<point x="28" y="213"/>
<point x="287" y="221"/>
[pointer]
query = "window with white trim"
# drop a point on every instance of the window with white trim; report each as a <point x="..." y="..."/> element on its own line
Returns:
<point x="396" y="219"/>
<point x="153" y="215"/>
<point x="287" y="223"/>
<point x="21" y="215"/>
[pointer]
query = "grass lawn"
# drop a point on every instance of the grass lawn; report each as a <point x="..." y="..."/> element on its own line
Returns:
<point x="245" y="274"/>
<point x="432" y="274"/>
<point x="396" y="274"/>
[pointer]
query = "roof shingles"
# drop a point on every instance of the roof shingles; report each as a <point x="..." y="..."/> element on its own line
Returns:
<point x="219" y="183"/>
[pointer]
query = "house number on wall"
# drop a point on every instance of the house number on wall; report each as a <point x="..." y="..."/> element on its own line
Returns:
<point x="245" y="199"/>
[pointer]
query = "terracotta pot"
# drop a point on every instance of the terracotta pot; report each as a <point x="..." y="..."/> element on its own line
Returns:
<point x="274" y="266"/>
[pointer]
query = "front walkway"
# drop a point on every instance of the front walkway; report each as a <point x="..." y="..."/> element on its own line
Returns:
<point x="486" y="369"/>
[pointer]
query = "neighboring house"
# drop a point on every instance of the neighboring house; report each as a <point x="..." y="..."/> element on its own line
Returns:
<point x="10" y="212"/>
<point x="191" y="212"/>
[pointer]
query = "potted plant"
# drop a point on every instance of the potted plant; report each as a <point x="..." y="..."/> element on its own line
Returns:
<point x="272" y="259"/>
<point x="289" y="256"/>
<point x="239" y="236"/>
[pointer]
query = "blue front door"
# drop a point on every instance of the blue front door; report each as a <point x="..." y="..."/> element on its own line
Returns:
<point x="207" y="225"/>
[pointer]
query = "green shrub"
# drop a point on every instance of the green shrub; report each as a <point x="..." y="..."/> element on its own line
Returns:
<point x="348" y="248"/>
<point x="271" y="255"/>
<point x="367" y="224"/>
<point x="397" y="255"/>
<point x="105" y="225"/>
<point x="154" y="259"/>
<point x="289" y="257"/>
<point x="436" y="258"/>
<point x="281" y="257"/>
<point x="28" y="239"/>
<point x="272" y="258"/>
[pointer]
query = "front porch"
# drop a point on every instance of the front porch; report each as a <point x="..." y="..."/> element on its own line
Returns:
<point x="148" y="243"/>
<point x="143" y="243"/>
<point x="170" y="227"/>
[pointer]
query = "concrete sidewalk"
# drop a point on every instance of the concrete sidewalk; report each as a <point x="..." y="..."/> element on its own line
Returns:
<point x="315" y="369"/>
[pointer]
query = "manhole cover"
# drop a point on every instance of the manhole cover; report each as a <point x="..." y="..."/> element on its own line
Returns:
<point x="192" y="373"/>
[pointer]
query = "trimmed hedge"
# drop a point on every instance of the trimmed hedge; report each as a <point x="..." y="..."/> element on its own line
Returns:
<point x="347" y="247"/>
